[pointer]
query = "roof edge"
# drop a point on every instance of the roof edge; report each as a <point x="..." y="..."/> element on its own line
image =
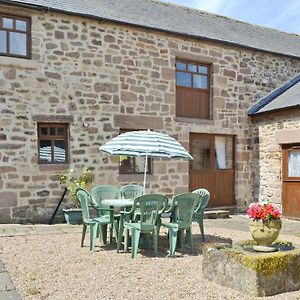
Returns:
<point x="253" y="110"/>
<point x="225" y="42"/>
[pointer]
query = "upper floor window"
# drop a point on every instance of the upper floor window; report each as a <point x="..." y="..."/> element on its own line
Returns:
<point x="53" y="143"/>
<point x="14" y="36"/>
<point x="192" y="90"/>
<point x="133" y="165"/>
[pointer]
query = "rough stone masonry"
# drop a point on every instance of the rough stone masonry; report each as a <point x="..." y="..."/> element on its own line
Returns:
<point x="113" y="77"/>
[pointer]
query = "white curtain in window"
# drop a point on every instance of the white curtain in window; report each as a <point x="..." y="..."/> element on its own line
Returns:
<point x="294" y="164"/>
<point x="220" y="152"/>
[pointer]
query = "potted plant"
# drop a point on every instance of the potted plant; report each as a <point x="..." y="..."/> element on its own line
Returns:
<point x="265" y="224"/>
<point x="72" y="182"/>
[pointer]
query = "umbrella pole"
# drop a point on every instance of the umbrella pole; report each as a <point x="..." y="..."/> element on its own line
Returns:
<point x="145" y="174"/>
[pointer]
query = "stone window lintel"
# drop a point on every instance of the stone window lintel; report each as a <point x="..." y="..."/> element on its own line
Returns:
<point x="53" y="118"/>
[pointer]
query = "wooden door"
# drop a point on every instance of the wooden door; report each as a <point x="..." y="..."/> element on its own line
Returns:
<point x="213" y="167"/>
<point x="291" y="181"/>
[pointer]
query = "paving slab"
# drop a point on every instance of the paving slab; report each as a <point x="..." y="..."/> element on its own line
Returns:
<point x="5" y="282"/>
<point x="10" y="295"/>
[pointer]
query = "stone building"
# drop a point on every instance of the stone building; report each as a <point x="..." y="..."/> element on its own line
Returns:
<point x="73" y="74"/>
<point x="276" y="144"/>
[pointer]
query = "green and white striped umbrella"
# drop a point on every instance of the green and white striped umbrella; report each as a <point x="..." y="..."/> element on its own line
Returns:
<point x="145" y="144"/>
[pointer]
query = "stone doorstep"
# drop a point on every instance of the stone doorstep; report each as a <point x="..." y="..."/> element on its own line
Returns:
<point x="216" y="214"/>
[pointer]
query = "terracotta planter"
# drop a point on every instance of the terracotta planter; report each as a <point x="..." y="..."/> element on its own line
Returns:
<point x="73" y="216"/>
<point x="265" y="233"/>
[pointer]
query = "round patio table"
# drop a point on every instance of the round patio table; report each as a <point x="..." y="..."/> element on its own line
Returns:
<point x="117" y="202"/>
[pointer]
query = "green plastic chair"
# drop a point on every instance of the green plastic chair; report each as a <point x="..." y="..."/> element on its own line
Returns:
<point x="95" y="224"/>
<point x="102" y="192"/>
<point x="131" y="191"/>
<point x="182" y="209"/>
<point x="150" y="207"/>
<point x="204" y="197"/>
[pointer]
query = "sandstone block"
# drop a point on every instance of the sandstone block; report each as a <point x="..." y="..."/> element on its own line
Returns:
<point x="8" y="199"/>
<point x="106" y="87"/>
<point x="7" y="169"/>
<point x="128" y="96"/>
<point x="5" y="215"/>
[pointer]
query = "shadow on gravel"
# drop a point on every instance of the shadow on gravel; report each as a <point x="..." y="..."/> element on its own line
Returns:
<point x="163" y="246"/>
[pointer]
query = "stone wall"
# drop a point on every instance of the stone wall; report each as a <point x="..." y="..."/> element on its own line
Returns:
<point x="107" y="77"/>
<point x="267" y="159"/>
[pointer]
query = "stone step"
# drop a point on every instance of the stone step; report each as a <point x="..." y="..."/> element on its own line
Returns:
<point x="216" y="214"/>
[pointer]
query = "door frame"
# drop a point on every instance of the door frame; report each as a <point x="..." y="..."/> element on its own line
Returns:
<point x="286" y="148"/>
<point x="211" y="137"/>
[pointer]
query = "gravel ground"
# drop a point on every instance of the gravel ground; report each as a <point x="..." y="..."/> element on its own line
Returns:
<point x="54" y="266"/>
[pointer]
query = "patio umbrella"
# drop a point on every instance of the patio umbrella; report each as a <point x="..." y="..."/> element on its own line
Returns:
<point x="145" y="144"/>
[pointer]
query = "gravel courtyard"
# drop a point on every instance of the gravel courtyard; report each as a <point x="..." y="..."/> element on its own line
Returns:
<point x="47" y="262"/>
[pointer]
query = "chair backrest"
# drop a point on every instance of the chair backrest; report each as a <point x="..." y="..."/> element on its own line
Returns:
<point x="204" y="197"/>
<point x="131" y="191"/>
<point x="149" y="207"/>
<point x="84" y="197"/>
<point x="102" y="192"/>
<point x="185" y="205"/>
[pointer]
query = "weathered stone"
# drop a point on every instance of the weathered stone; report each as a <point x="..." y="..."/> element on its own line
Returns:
<point x="10" y="146"/>
<point x="8" y="199"/>
<point x="53" y="118"/>
<point x="20" y="211"/>
<point x="138" y="122"/>
<point x="5" y="215"/>
<point x="24" y="194"/>
<point x="7" y="169"/>
<point x="128" y="96"/>
<point x="105" y="87"/>
<point x="10" y="74"/>
<point x="59" y="34"/>
<point x="43" y="193"/>
<point x="52" y="75"/>
<point x="51" y="46"/>
<point x="262" y="275"/>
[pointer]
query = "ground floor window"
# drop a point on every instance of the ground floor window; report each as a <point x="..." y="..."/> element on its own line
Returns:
<point x="52" y="143"/>
<point x="133" y="165"/>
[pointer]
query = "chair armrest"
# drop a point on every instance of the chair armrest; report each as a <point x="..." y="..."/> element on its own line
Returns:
<point x="124" y="212"/>
<point x="171" y="208"/>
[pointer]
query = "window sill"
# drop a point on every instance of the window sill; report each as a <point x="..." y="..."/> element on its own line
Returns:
<point x="194" y="120"/>
<point x="21" y="63"/>
<point x="53" y="167"/>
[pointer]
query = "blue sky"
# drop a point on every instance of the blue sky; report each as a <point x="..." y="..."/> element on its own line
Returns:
<point x="280" y="14"/>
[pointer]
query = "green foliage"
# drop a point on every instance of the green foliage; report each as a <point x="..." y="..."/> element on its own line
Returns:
<point x="73" y="181"/>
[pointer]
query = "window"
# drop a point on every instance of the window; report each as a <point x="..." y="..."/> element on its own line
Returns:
<point x="53" y="143"/>
<point x="192" y="90"/>
<point x="14" y="36"/>
<point x="133" y="165"/>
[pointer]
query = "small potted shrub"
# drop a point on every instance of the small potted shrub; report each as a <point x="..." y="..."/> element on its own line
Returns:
<point x="72" y="181"/>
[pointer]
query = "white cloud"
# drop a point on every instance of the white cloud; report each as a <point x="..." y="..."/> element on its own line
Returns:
<point x="281" y="14"/>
